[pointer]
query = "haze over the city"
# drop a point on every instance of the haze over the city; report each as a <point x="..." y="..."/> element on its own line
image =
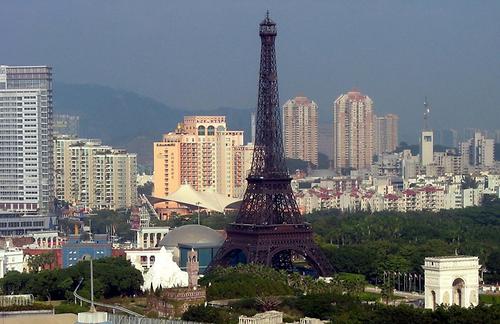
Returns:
<point x="204" y="54"/>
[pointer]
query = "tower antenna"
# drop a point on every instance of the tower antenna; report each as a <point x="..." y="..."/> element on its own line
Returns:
<point x="427" y="112"/>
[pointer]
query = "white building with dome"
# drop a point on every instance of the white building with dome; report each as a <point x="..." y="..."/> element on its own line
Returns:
<point x="202" y="239"/>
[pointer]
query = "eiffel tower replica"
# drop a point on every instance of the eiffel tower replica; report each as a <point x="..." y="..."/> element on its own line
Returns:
<point x="269" y="228"/>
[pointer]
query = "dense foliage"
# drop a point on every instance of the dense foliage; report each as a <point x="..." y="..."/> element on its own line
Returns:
<point x="251" y="280"/>
<point x="245" y="281"/>
<point x="41" y="261"/>
<point x="370" y="243"/>
<point x="110" y="221"/>
<point x="342" y="308"/>
<point x="112" y="277"/>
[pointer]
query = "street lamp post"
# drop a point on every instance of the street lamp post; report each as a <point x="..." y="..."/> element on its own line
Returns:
<point x="92" y="307"/>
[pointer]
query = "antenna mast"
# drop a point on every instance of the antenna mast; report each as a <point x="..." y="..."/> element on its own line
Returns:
<point x="427" y="112"/>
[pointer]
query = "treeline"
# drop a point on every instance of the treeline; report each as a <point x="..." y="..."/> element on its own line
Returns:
<point x="344" y="308"/>
<point x="370" y="243"/>
<point x="253" y="280"/>
<point x="112" y="277"/>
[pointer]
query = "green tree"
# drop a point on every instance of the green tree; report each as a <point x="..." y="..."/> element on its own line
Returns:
<point x="387" y="292"/>
<point x="39" y="262"/>
<point x="493" y="262"/>
<point x="206" y="315"/>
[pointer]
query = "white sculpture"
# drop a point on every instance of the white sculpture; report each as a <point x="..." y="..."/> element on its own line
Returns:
<point x="164" y="273"/>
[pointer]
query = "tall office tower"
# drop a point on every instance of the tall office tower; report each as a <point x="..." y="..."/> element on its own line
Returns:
<point x="478" y="151"/>
<point x="26" y="139"/>
<point x="386" y="133"/>
<point x="200" y="152"/>
<point x="300" y="129"/>
<point x="94" y="175"/>
<point x="352" y="131"/>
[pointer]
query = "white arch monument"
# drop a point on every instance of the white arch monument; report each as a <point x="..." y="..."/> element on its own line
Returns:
<point x="451" y="280"/>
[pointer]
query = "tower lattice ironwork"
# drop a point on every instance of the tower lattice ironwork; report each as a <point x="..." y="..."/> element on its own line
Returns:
<point x="269" y="228"/>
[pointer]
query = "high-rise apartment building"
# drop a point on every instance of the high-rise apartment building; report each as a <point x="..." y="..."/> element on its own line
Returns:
<point x="94" y="175"/>
<point x="300" y="129"/>
<point x="203" y="153"/>
<point x="352" y="131"/>
<point x="385" y="133"/>
<point x="26" y="139"/>
<point x="478" y="151"/>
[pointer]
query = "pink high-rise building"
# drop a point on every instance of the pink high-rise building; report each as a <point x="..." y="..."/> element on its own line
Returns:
<point x="300" y="129"/>
<point x="352" y="131"/>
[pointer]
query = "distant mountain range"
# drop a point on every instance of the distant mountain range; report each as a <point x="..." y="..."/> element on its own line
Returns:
<point x="129" y="120"/>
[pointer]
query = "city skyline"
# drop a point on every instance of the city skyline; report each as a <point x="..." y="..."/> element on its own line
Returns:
<point x="427" y="36"/>
<point x="213" y="227"/>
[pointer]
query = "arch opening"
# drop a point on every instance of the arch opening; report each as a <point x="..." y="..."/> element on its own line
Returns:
<point x="458" y="290"/>
<point x="292" y="260"/>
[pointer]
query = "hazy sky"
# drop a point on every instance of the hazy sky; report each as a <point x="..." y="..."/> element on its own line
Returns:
<point x="205" y="54"/>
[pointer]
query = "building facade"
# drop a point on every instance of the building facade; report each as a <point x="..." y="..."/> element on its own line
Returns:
<point x="94" y="175"/>
<point x="26" y="139"/>
<point x="11" y="259"/>
<point x="478" y="151"/>
<point x="203" y="153"/>
<point x="386" y="133"/>
<point x="300" y="129"/>
<point x="77" y="249"/>
<point x="352" y="131"/>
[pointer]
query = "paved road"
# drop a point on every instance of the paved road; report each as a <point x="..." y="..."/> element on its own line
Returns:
<point x="408" y="296"/>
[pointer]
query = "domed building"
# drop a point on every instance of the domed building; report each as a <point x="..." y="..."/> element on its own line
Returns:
<point x="202" y="239"/>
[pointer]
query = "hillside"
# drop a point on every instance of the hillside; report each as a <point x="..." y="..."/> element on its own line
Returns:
<point x="129" y="120"/>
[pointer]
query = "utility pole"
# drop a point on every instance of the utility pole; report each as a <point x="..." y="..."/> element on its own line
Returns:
<point x="92" y="307"/>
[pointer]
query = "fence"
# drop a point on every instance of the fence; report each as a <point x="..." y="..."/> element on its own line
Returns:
<point x="19" y="300"/>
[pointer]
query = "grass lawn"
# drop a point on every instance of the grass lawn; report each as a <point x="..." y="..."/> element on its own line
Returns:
<point x="489" y="299"/>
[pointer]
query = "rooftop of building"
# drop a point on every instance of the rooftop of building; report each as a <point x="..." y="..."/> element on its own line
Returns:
<point x="451" y="257"/>
<point x="192" y="234"/>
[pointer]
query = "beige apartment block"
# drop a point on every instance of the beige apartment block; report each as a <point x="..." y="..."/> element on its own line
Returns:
<point x="352" y="131"/>
<point x="94" y="175"/>
<point x="200" y="152"/>
<point x="300" y="129"/>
